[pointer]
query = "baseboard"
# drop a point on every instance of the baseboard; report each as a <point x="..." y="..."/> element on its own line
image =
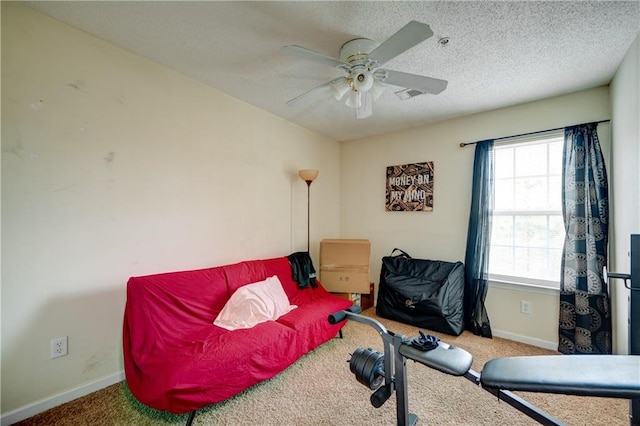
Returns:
<point x="526" y="339"/>
<point x="45" y="404"/>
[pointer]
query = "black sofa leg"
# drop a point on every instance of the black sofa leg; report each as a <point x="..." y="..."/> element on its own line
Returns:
<point x="341" y="333"/>
<point x="192" y="415"/>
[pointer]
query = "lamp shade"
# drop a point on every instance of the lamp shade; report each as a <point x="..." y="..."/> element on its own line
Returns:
<point x="308" y="175"/>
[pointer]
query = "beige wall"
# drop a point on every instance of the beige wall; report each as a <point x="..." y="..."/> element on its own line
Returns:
<point x="113" y="166"/>
<point x="441" y="234"/>
<point x="625" y="180"/>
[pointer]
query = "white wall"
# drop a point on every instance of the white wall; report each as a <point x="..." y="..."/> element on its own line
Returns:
<point x="113" y="166"/>
<point x="625" y="179"/>
<point x="441" y="234"/>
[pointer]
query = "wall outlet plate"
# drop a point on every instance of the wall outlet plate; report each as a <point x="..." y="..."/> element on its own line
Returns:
<point x="59" y="347"/>
<point x="526" y="307"/>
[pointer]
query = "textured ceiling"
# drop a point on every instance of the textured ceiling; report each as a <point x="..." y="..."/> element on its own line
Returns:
<point x="499" y="53"/>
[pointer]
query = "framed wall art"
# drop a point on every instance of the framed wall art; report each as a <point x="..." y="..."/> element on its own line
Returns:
<point x="410" y="188"/>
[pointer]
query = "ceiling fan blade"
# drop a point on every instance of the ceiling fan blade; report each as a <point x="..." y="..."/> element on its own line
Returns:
<point x="407" y="37"/>
<point x="313" y="56"/>
<point x="413" y="81"/>
<point x="322" y="87"/>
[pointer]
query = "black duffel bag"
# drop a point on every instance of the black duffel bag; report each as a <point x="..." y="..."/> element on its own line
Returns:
<point x="425" y="293"/>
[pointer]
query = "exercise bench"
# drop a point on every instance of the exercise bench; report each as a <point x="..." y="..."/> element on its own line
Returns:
<point x="612" y="376"/>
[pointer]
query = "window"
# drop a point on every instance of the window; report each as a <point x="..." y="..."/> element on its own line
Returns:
<point x="528" y="231"/>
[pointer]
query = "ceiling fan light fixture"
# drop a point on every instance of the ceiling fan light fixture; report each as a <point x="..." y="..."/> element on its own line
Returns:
<point x="376" y="90"/>
<point x="354" y="100"/>
<point x="365" y="109"/>
<point x="362" y="80"/>
<point x="340" y="88"/>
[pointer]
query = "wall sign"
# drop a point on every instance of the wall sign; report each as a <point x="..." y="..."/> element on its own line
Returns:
<point x="410" y="188"/>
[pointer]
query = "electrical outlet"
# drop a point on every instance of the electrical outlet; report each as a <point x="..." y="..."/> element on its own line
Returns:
<point x="59" y="347"/>
<point x="526" y="307"/>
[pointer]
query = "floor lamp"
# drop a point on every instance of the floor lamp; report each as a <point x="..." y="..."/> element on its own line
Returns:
<point x="308" y="175"/>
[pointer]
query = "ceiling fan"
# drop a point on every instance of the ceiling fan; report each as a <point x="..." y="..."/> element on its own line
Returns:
<point x="364" y="81"/>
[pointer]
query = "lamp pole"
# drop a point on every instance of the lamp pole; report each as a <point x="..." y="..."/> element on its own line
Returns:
<point x="308" y="175"/>
<point x="308" y="213"/>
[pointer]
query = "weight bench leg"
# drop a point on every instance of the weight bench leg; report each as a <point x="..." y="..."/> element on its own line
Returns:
<point x="192" y="415"/>
<point x="516" y="402"/>
<point x="405" y="418"/>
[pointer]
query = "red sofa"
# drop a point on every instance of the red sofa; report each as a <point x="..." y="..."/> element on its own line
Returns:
<point x="176" y="360"/>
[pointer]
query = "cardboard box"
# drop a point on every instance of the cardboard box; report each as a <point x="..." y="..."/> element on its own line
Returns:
<point x="344" y="265"/>
<point x="353" y="297"/>
<point x="364" y="300"/>
<point x="367" y="299"/>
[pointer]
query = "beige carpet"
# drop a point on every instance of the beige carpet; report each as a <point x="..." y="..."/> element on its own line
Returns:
<point x="320" y="390"/>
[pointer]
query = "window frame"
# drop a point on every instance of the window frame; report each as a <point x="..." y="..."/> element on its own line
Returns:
<point x="514" y="280"/>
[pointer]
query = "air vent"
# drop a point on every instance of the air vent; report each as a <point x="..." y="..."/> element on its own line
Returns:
<point x="408" y="94"/>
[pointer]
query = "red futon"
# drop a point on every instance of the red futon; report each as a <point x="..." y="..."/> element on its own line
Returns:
<point x="177" y="360"/>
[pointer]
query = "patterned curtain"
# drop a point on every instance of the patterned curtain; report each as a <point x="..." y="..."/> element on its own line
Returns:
<point x="478" y="240"/>
<point x="585" y="313"/>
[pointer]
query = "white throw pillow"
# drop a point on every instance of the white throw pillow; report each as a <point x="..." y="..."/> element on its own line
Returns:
<point x="254" y="303"/>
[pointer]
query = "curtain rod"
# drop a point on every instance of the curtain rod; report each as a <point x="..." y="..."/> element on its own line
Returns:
<point x="463" y="144"/>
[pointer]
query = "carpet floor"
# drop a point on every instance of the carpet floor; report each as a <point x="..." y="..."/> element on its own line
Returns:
<point x="320" y="390"/>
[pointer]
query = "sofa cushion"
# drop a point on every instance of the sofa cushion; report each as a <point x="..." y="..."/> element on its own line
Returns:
<point x="165" y="305"/>
<point x="253" y="304"/>
<point x="311" y="321"/>
<point x="243" y="273"/>
<point x="280" y="266"/>
<point x="214" y="366"/>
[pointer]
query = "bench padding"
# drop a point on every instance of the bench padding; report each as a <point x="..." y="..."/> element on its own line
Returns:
<point x="613" y="376"/>
<point x="445" y="358"/>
